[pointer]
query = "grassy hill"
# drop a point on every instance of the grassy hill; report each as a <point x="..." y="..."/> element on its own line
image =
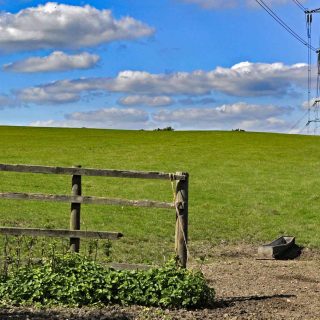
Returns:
<point x="243" y="186"/>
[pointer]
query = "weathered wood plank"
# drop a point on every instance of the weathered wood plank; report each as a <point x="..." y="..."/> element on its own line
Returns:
<point x="90" y="172"/>
<point x="60" y="233"/>
<point x="181" y="237"/>
<point x="75" y="213"/>
<point x="129" y="266"/>
<point x="85" y="200"/>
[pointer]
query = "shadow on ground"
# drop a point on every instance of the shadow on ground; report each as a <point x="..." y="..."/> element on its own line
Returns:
<point x="56" y="315"/>
<point x="227" y="302"/>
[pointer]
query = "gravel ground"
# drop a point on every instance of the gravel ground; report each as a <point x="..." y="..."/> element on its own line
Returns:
<point x="246" y="288"/>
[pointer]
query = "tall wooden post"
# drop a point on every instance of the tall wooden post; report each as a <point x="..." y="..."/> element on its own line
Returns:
<point x="181" y="237"/>
<point x="75" y="212"/>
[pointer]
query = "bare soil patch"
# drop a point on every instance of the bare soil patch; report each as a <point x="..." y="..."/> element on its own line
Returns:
<point x="246" y="288"/>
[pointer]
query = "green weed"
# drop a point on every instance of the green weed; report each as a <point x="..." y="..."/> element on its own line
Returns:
<point x="74" y="280"/>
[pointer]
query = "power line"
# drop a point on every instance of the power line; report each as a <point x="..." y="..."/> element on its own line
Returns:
<point x="298" y="122"/>
<point x="283" y="24"/>
<point x="300" y="131"/>
<point x="299" y="4"/>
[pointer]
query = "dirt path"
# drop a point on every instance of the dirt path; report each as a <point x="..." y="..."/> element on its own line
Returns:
<point x="246" y="288"/>
<point x="265" y="289"/>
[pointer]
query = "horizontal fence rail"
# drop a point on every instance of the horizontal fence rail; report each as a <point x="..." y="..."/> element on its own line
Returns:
<point x="180" y="203"/>
<point x="90" y="172"/>
<point x="85" y="200"/>
<point x="60" y="233"/>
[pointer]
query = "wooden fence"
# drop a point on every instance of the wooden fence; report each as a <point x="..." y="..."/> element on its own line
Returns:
<point x="180" y="205"/>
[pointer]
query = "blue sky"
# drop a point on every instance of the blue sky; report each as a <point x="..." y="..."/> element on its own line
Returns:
<point x="144" y="64"/>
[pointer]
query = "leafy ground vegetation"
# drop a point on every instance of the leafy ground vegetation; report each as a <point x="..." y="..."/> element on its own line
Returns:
<point x="73" y="280"/>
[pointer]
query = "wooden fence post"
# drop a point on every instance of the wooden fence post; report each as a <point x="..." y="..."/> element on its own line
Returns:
<point x="181" y="236"/>
<point x="75" y="212"/>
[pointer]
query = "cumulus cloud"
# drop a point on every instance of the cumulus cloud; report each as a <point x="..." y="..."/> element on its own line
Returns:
<point x="237" y="115"/>
<point x="56" y="123"/>
<point x="230" y="115"/>
<point x="267" y="125"/>
<point x="236" y="111"/>
<point x="56" y="61"/>
<point x="110" y="115"/>
<point x="46" y="95"/>
<point x="63" y="91"/>
<point x="136" y="100"/>
<point x="244" y="80"/>
<point x="56" y="25"/>
<point x="129" y="118"/>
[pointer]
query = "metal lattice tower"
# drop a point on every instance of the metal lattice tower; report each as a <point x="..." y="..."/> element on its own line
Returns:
<point x="314" y="109"/>
<point x="314" y="119"/>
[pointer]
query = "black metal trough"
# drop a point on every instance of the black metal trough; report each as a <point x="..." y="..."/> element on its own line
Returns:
<point x="277" y="249"/>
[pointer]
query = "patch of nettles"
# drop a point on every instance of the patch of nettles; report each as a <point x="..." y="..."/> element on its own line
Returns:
<point x="74" y="280"/>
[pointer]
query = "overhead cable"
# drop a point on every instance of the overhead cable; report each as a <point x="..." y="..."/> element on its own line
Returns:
<point x="283" y="24"/>
<point x="298" y="122"/>
<point x="299" y="4"/>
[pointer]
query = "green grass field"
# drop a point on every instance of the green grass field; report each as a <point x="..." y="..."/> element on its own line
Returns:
<point x="249" y="187"/>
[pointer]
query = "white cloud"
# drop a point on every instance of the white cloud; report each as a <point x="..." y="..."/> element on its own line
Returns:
<point x="229" y="116"/>
<point x="260" y="79"/>
<point x="135" y="100"/>
<point x="266" y="125"/>
<point x="111" y="115"/>
<point x="56" y="25"/>
<point x="63" y="91"/>
<point x="47" y="95"/>
<point x="225" y="117"/>
<point x="102" y="118"/>
<point x="244" y="79"/>
<point x="56" y="61"/>
<point x="55" y="123"/>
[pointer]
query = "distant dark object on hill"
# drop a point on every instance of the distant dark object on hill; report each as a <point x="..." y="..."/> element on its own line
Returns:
<point x="164" y="129"/>
<point x="240" y="130"/>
